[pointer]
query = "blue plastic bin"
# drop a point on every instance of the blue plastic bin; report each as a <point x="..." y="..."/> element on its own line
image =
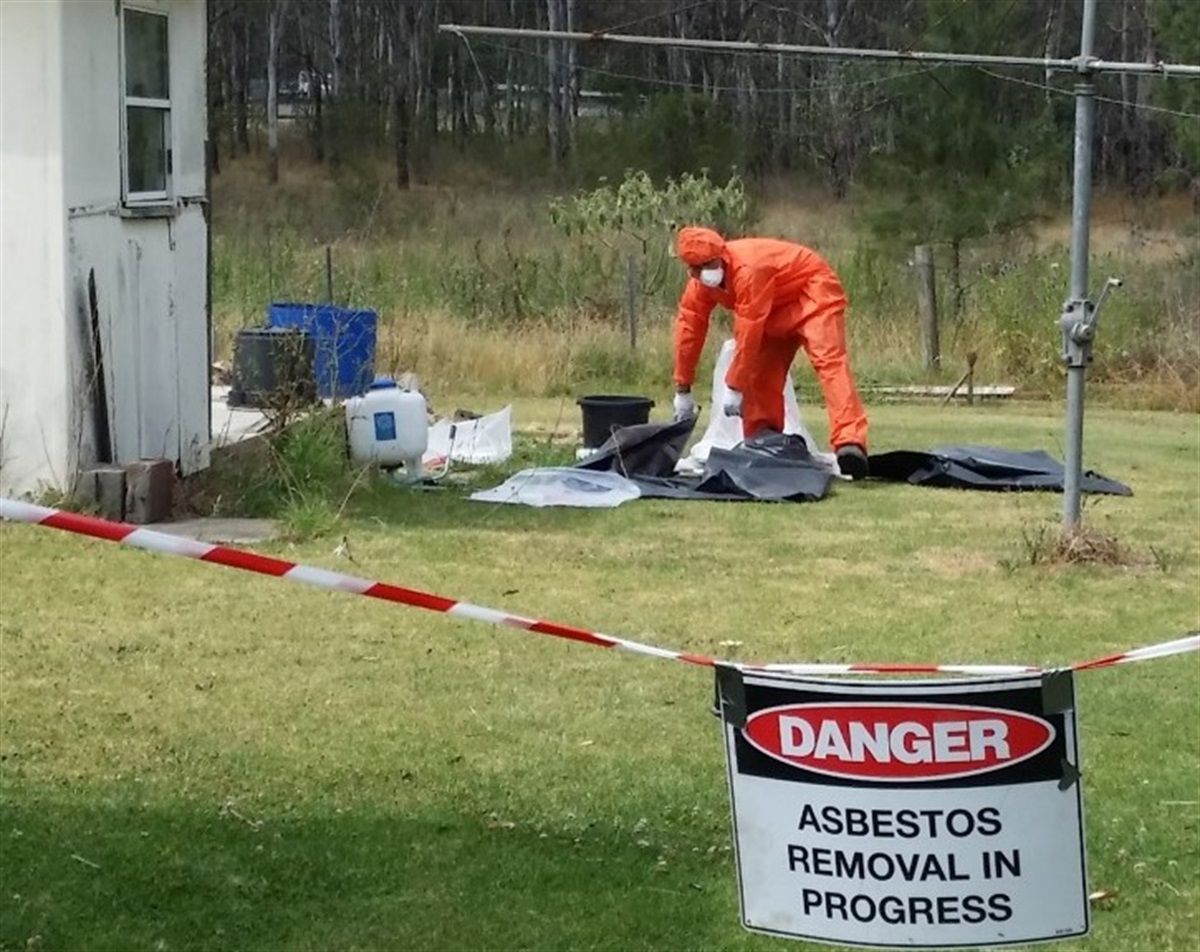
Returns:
<point x="344" y="344"/>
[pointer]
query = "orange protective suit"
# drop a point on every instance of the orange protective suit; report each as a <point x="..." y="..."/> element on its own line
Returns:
<point x="783" y="297"/>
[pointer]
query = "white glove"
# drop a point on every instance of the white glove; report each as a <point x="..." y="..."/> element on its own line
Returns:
<point x="733" y="402"/>
<point x="685" y="407"/>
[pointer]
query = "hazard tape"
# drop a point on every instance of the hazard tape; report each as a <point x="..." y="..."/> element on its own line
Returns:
<point x="248" y="561"/>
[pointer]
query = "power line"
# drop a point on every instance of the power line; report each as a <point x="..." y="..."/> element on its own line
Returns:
<point x="1046" y="87"/>
<point x="684" y="84"/>
<point x="1082" y="65"/>
<point x="819" y="86"/>
<point x="657" y="14"/>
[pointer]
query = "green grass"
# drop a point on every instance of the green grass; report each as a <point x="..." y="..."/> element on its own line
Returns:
<point x="197" y="758"/>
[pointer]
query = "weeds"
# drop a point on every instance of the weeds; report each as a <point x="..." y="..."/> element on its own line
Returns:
<point x="298" y="473"/>
<point x="1046" y="544"/>
<point x="1165" y="560"/>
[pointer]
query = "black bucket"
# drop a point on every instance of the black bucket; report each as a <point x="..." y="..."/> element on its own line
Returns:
<point x="603" y="414"/>
<point x="272" y="367"/>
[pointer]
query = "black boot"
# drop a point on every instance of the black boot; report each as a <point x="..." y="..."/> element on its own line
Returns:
<point x="852" y="461"/>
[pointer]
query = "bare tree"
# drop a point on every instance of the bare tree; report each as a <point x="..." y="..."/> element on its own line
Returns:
<point x="554" y="89"/>
<point x="275" y="15"/>
<point x="335" y="46"/>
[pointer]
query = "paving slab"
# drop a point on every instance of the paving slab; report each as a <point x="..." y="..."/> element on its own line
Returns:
<point x="233" y="424"/>
<point x="218" y="530"/>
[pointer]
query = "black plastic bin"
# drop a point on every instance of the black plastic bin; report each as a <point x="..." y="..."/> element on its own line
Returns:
<point x="272" y="367"/>
<point x="604" y="413"/>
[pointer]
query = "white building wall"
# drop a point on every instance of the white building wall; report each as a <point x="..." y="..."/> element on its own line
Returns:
<point x="36" y="449"/>
<point x="149" y="268"/>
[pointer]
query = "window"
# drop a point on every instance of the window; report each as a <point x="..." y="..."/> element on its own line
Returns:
<point x="147" y="105"/>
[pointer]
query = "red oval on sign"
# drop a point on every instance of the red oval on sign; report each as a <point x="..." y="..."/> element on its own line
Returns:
<point x="897" y="742"/>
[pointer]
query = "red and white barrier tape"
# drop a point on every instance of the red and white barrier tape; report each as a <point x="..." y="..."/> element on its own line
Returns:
<point x="323" y="578"/>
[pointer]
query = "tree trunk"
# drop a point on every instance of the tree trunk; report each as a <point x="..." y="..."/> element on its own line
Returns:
<point x="274" y="33"/>
<point x="1143" y="149"/>
<point x="571" y="112"/>
<point x="553" y="87"/>
<point x="1051" y="38"/>
<point x="837" y="149"/>
<point x="335" y="46"/>
<point x="316" y="81"/>
<point x="356" y="32"/>
<point x="1128" y="118"/>
<point x="511" y="101"/>
<point x="399" y="101"/>
<point x="215" y="89"/>
<point x="488" y="106"/>
<point x="422" y="101"/>
<point x="779" y="143"/>
<point x="240" y="64"/>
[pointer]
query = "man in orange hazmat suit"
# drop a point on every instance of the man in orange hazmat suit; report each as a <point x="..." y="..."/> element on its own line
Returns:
<point x="783" y="296"/>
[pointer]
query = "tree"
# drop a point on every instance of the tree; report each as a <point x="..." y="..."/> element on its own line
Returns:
<point x="638" y="219"/>
<point x="968" y="157"/>
<point x="1178" y="28"/>
<point x="275" y="15"/>
<point x="396" y="82"/>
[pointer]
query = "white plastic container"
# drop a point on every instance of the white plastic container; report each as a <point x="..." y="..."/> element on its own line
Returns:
<point x="388" y="426"/>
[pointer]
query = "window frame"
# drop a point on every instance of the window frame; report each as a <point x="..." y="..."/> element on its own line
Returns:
<point x="157" y="197"/>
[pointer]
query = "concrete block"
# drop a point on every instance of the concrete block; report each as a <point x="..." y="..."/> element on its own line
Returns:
<point x="149" y="489"/>
<point x="102" y="490"/>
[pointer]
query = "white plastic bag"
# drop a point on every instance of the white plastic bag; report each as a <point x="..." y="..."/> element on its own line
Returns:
<point x="485" y="440"/>
<point x="725" y="432"/>
<point x="562" y="486"/>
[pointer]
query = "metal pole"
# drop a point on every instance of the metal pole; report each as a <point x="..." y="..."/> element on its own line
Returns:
<point x="835" y="52"/>
<point x="328" y="275"/>
<point x="927" y="299"/>
<point x="631" y="278"/>
<point x="270" y="277"/>
<point x="1076" y="311"/>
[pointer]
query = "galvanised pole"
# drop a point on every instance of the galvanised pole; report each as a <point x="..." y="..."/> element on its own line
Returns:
<point x="1077" y="310"/>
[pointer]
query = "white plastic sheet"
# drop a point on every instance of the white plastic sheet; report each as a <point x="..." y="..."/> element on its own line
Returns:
<point x="562" y="486"/>
<point x="485" y="440"/>
<point x="726" y="432"/>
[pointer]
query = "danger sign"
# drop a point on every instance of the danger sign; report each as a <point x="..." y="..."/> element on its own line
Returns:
<point x="918" y="813"/>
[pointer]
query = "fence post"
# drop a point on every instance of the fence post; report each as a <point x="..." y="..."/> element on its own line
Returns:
<point x="631" y="278"/>
<point x="927" y="297"/>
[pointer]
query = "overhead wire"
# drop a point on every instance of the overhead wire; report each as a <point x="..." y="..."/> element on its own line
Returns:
<point x="819" y="85"/>
<point x="684" y="84"/>
<point x="656" y="15"/>
<point x="1046" y="87"/>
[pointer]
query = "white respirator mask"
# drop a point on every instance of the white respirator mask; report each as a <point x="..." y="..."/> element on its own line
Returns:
<point x="712" y="277"/>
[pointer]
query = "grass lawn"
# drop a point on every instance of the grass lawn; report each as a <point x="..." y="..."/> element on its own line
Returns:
<point x="197" y="758"/>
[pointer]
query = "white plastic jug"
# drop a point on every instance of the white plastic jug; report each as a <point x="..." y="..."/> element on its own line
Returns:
<point x="388" y="426"/>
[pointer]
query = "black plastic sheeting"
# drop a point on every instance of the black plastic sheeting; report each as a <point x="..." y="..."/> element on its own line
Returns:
<point x="769" y="468"/>
<point x="985" y="467"/>
<point x="777" y="468"/>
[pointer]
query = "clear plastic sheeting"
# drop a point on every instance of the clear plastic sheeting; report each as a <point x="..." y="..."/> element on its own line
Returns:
<point x="485" y="440"/>
<point x="725" y="433"/>
<point x="562" y="486"/>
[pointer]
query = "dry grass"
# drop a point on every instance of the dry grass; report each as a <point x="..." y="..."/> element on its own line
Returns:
<point x="1087" y="546"/>
<point x="539" y="359"/>
<point x="476" y="290"/>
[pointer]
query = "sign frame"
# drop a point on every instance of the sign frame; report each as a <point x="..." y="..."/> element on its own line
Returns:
<point x="807" y="759"/>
